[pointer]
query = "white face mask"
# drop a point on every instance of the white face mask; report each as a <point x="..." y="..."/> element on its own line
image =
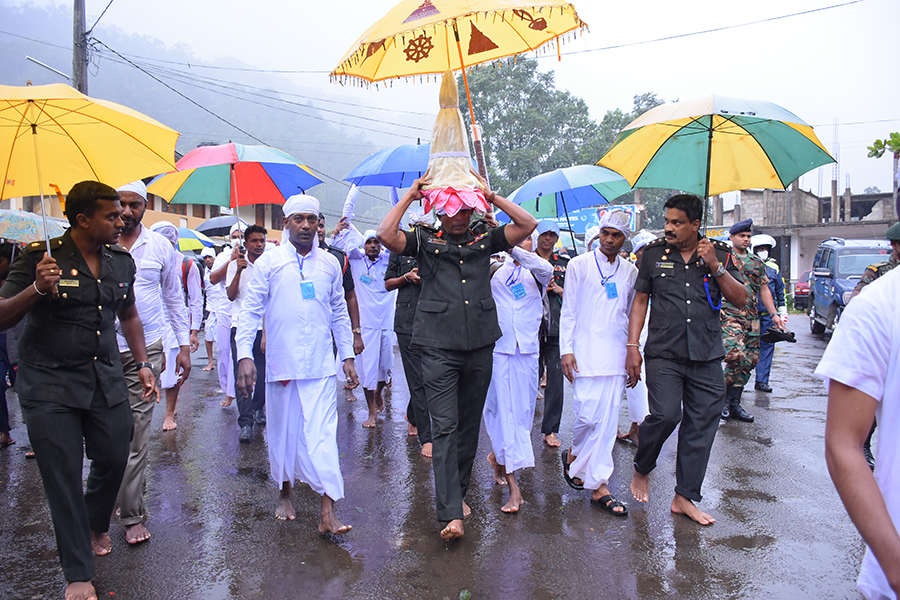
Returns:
<point x="763" y="254"/>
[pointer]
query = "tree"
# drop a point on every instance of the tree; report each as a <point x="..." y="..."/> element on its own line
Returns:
<point x="892" y="145"/>
<point x="872" y="189"/>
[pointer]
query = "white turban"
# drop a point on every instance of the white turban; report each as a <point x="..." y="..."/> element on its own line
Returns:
<point x="137" y="187"/>
<point x="592" y="232"/>
<point x="640" y="240"/>
<point x="301" y="203"/>
<point x="167" y="230"/>
<point x="208" y="252"/>
<point x="239" y="226"/>
<point x="368" y="235"/>
<point x="616" y="219"/>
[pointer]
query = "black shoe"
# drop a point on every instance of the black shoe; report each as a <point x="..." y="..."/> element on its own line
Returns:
<point x="870" y="458"/>
<point x="763" y="387"/>
<point x="246" y="434"/>
<point x="726" y="412"/>
<point x="260" y="417"/>
<point x="740" y="414"/>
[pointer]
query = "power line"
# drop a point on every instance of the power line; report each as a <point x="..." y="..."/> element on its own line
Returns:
<point x="91" y="30"/>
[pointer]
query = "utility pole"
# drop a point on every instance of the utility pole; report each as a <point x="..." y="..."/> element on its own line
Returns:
<point x="79" y="50"/>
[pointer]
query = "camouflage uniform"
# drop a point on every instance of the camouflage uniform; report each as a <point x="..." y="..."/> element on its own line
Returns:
<point x="740" y="327"/>
<point x="875" y="271"/>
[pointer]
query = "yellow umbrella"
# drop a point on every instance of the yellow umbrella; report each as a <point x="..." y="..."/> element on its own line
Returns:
<point x="419" y="37"/>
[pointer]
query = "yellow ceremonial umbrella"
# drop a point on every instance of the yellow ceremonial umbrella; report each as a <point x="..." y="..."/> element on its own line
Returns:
<point x="419" y="37"/>
<point x="52" y="136"/>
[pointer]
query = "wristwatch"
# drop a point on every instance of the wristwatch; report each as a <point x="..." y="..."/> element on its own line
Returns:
<point x="144" y="365"/>
<point x="357" y="330"/>
<point x="720" y="271"/>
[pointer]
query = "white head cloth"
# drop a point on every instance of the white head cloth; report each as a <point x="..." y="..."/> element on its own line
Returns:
<point x="592" y="232"/>
<point x="137" y="187"/>
<point x="167" y="230"/>
<point x="640" y="240"/>
<point x="616" y="219"/>
<point x="301" y="203"/>
<point x="239" y="226"/>
<point x="208" y="252"/>
<point x="368" y="235"/>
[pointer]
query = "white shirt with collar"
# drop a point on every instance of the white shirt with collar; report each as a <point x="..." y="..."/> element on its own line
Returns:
<point x="299" y="323"/>
<point x="157" y="289"/>
<point x="520" y="318"/>
<point x="599" y="336"/>
<point x="238" y="301"/>
<point x="376" y="303"/>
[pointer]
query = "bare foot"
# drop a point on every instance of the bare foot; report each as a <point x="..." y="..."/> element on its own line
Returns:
<point x="640" y="487"/>
<point x="135" y="534"/>
<point x="426" y="450"/>
<point x="499" y="471"/>
<point x="632" y="435"/>
<point x="349" y="396"/>
<point x="467" y="512"/>
<point x="6" y="440"/>
<point x="81" y="590"/>
<point x="284" y="511"/>
<point x="551" y="440"/>
<point x="169" y="423"/>
<point x="209" y="367"/>
<point x="227" y="401"/>
<point x="100" y="543"/>
<point x="370" y="422"/>
<point x="453" y="530"/>
<point x="515" y="496"/>
<point x="379" y="401"/>
<point x="329" y="522"/>
<point x="683" y="506"/>
<point x="410" y="428"/>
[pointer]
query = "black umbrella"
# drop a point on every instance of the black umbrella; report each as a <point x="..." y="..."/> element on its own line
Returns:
<point x="219" y="226"/>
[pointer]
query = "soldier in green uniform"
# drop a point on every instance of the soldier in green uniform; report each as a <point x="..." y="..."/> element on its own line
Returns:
<point x="740" y="324"/>
<point x="70" y="382"/>
<point x="872" y="273"/>
<point x="456" y="327"/>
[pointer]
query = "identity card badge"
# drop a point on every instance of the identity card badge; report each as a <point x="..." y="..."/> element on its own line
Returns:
<point x="611" y="291"/>
<point x="308" y="290"/>
<point x="365" y="279"/>
<point x="518" y="291"/>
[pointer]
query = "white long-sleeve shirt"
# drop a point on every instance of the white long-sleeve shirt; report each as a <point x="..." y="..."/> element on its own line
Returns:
<point x="376" y="304"/>
<point x="302" y="309"/>
<point x="599" y="336"/>
<point x="194" y="301"/>
<point x="223" y="305"/>
<point x="157" y="289"/>
<point x="520" y="317"/>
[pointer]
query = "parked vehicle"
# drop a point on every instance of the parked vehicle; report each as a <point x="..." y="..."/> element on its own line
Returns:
<point x="836" y="271"/>
<point x="801" y="291"/>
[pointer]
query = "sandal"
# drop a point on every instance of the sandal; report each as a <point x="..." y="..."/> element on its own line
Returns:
<point x="569" y="480"/>
<point x="609" y="504"/>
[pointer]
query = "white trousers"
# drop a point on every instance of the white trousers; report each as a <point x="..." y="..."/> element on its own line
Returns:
<point x="223" y="362"/>
<point x="596" y="404"/>
<point x="509" y="408"/>
<point x="638" y="406"/>
<point x="301" y="429"/>
<point x="377" y="360"/>
<point x="168" y="378"/>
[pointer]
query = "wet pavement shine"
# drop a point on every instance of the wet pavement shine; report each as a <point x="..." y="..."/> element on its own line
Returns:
<point x="780" y="531"/>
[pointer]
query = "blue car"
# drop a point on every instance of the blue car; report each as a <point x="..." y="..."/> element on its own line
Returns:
<point x="837" y="268"/>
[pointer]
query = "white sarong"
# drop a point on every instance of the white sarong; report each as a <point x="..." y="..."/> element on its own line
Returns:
<point x="377" y="359"/>
<point x="638" y="405"/>
<point x="596" y="405"/>
<point x="509" y="408"/>
<point x="223" y="361"/>
<point x="302" y="434"/>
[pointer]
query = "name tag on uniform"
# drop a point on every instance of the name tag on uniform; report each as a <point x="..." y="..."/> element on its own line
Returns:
<point x="365" y="279"/>
<point x="518" y="291"/>
<point x="665" y="265"/>
<point x="437" y="241"/>
<point x="611" y="291"/>
<point x="308" y="290"/>
<point x="69" y="283"/>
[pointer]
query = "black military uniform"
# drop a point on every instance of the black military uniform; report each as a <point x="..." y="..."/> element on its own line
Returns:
<point x="456" y="327"/>
<point x="407" y="300"/>
<point x="683" y="357"/>
<point x="341" y="256"/>
<point x="72" y="391"/>
<point x="553" y="393"/>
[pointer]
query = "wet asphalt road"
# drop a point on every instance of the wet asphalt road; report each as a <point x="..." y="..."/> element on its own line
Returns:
<point x="781" y="531"/>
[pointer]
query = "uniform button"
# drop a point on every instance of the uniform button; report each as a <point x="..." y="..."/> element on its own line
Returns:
<point x="98" y="281"/>
<point x="460" y="262"/>
<point x="463" y="280"/>
<point x="95" y="358"/>
<point x="686" y="267"/>
<point x="482" y="246"/>
<point x="98" y="333"/>
<point x="99" y="308"/>
<point x="688" y="301"/>
<point x="459" y="245"/>
<point x="65" y="295"/>
<point x="662" y="275"/>
<point x="467" y="301"/>
<point x="688" y="320"/>
<point x="436" y="251"/>
<point x="687" y="285"/>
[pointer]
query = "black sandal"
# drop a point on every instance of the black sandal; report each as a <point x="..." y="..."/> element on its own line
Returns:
<point x="569" y="480"/>
<point x="609" y="504"/>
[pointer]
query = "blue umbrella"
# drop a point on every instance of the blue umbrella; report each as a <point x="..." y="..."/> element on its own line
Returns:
<point x="552" y="195"/>
<point x="395" y="167"/>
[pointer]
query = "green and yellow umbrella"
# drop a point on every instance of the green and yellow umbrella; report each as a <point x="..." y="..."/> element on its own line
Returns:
<point x="714" y="145"/>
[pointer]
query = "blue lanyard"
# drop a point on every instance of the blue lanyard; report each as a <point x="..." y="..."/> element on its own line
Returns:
<point x="605" y="278"/>
<point x="708" y="297"/>
<point x="300" y="263"/>
<point x="514" y="277"/>
<point x="370" y="264"/>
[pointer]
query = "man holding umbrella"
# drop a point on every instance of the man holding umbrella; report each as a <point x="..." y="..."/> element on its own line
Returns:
<point x="70" y="381"/>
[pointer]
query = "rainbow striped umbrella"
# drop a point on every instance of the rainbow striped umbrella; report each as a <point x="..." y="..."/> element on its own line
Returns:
<point x="188" y="239"/>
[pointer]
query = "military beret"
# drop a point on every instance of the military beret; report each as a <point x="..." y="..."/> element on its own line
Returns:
<point x="893" y="232"/>
<point x="741" y="226"/>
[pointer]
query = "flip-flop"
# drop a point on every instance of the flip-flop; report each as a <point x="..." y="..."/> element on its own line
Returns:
<point x="608" y="503"/>
<point x="569" y="480"/>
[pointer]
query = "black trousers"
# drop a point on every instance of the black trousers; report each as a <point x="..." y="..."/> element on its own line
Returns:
<point x="60" y="436"/>
<point x="248" y="405"/>
<point x="417" y="409"/>
<point x="456" y="384"/>
<point x="690" y="392"/>
<point x="553" y="393"/>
